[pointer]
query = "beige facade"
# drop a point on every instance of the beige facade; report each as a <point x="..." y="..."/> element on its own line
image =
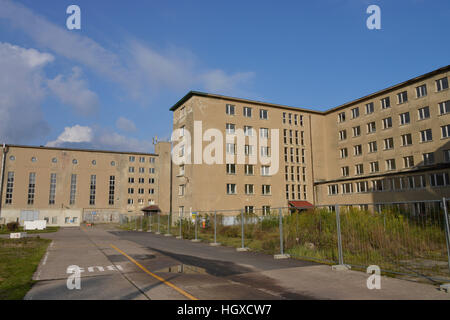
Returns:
<point x="392" y="145"/>
<point x="65" y="186"/>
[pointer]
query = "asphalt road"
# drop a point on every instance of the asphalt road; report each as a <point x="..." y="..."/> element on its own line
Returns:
<point x="136" y="265"/>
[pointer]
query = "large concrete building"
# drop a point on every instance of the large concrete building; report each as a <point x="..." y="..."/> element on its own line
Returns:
<point x="233" y="154"/>
<point x="67" y="186"/>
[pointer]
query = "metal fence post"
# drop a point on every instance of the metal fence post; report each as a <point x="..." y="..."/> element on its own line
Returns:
<point x="280" y="214"/>
<point x="215" y="226"/>
<point x="242" y="228"/>
<point x="168" y="223"/>
<point x="338" y="225"/>
<point x="196" y="218"/>
<point x="447" y="230"/>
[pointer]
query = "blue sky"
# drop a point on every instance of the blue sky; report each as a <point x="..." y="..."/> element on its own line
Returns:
<point x="110" y="85"/>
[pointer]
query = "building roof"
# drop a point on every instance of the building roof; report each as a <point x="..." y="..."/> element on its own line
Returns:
<point x="370" y="96"/>
<point x="300" y="204"/>
<point x="81" y="150"/>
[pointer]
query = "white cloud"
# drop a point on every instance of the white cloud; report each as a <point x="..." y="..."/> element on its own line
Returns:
<point x="98" y="138"/>
<point x="21" y="93"/>
<point x="73" y="91"/>
<point x="139" y="69"/>
<point x="125" y="124"/>
<point x="75" y="134"/>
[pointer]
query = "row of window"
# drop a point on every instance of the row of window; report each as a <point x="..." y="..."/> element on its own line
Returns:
<point x="247" y="112"/>
<point x="402" y="97"/>
<point x="249" y="169"/>
<point x="141" y="191"/>
<point x="294" y="136"/>
<point x="231" y="149"/>
<point x="140" y="201"/>
<point x="248" y="131"/>
<point x="293" y="119"/>
<point x="93" y="162"/>
<point x="291" y="155"/>
<point x="141" y="180"/>
<point x="294" y="173"/>
<point x="249" y="189"/>
<point x="294" y="192"/>
<point x="390" y="164"/>
<point x="391" y="184"/>
<point x="141" y="170"/>
<point x="141" y="159"/>
<point x="52" y="191"/>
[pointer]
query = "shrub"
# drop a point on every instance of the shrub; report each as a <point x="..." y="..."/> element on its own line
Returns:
<point x="13" y="226"/>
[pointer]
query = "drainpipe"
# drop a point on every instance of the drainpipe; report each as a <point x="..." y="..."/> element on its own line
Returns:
<point x="2" y="175"/>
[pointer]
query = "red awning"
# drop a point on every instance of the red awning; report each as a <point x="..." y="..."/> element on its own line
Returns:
<point x="151" y="209"/>
<point x="300" y="204"/>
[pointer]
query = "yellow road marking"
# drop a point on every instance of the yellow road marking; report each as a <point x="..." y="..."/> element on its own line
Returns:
<point x="184" y="293"/>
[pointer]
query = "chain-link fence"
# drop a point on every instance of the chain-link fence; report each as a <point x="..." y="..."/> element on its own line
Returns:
<point x="410" y="238"/>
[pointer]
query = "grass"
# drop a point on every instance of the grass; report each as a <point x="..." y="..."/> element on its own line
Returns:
<point x="19" y="259"/>
<point x="396" y="239"/>
<point x="3" y="230"/>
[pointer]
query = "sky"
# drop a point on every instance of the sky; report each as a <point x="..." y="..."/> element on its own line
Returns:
<point x="110" y="85"/>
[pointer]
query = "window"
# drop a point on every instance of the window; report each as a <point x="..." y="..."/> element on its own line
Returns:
<point x="263" y="114"/>
<point x="301" y="121"/>
<point x="265" y="151"/>
<point x="33" y="159"/>
<point x="344" y="153"/>
<point x="229" y="109"/>
<point x="265" y="170"/>
<point x="51" y="199"/>
<point x="181" y="170"/>
<point x="377" y="185"/>
<point x="402" y="97"/>
<point x="130" y="180"/>
<point x="75" y="161"/>
<point x="424" y="113"/>
<point x="181" y="190"/>
<point x="131" y="169"/>
<point x="151" y="170"/>
<point x="231" y="188"/>
<point x="266" y="210"/>
<point x="248" y="150"/>
<point x="385" y="103"/>
<point x="248" y="131"/>
<point x="181" y="132"/>
<point x="290" y="118"/>
<point x="387" y="123"/>
<point x="374" y="167"/>
<point x="73" y="189"/>
<point x="112" y="186"/>
<point x="31" y="187"/>
<point x="371" y="127"/>
<point x="345" y="171"/>
<point x="390" y="164"/>
<point x="231" y="148"/>
<point x="445" y="131"/>
<point x="264" y="133"/>
<point x="141" y="180"/>
<point x="341" y="117"/>
<point x="421" y="91"/>
<point x="347" y="188"/>
<point x="131" y="158"/>
<point x="141" y="170"/>
<point x="151" y="180"/>
<point x="428" y="158"/>
<point x="373" y="147"/>
<point x="369" y="108"/>
<point x="444" y="107"/>
<point x="441" y="84"/>
<point x="152" y="160"/>
<point x="151" y="191"/>
<point x="92" y="189"/>
<point x="355" y="113"/>
<point x="439" y="179"/>
<point x="358" y="150"/>
<point x="141" y="159"/>
<point x="249" y="189"/>
<point x="407" y="139"/>
<point x="130" y="201"/>
<point x="388" y="143"/>
<point x="342" y="135"/>
<point x="404" y="118"/>
<point x="408" y="162"/>
<point x="295" y="119"/>
<point x="359" y="169"/>
<point x="356" y="131"/>
<point x="231" y="168"/>
<point x="130" y="190"/>
<point x="361" y="187"/>
<point x="249" y="209"/>
<point x="54" y="160"/>
<point x="333" y="189"/>
<point x="426" y="135"/>
<point x="249" y="169"/>
<point x="284" y="117"/>
<point x="287" y="192"/>
<point x="247" y="112"/>
<point x="231" y="128"/>
<point x="113" y="163"/>
<point x="446" y="155"/>
<point x="266" y="189"/>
